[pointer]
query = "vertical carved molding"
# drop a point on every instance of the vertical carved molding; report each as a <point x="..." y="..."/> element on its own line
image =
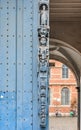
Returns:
<point x="43" y="60"/>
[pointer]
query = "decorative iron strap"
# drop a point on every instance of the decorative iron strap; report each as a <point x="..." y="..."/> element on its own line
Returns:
<point x="43" y="60"/>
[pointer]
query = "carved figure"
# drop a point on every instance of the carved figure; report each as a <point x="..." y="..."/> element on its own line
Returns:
<point x="43" y="16"/>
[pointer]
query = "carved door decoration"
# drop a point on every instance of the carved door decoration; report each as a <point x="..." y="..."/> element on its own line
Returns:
<point x="43" y="61"/>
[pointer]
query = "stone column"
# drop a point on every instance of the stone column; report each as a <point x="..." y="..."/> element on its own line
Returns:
<point x="80" y="104"/>
<point x="79" y="108"/>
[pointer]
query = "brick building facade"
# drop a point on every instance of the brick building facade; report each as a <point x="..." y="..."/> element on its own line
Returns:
<point x="63" y="92"/>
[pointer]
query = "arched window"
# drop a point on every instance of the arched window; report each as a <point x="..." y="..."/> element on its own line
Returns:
<point x="65" y="96"/>
<point x="64" y="71"/>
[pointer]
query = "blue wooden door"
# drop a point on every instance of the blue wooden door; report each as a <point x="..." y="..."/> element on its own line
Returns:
<point x="19" y="67"/>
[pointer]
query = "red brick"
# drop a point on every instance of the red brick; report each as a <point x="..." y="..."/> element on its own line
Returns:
<point x="57" y="83"/>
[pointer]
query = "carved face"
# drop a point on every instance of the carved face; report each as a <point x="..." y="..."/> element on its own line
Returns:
<point x="43" y="40"/>
<point x="44" y="7"/>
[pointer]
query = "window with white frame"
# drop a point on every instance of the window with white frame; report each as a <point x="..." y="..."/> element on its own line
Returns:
<point x="64" y="71"/>
<point x="65" y="96"/>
